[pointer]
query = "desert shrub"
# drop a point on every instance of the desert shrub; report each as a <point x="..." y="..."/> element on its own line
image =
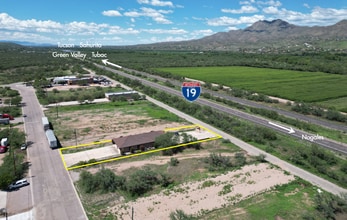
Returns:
<point x="173" y="161"/>
<point x="141" y="181"/>
<point x="218" y="162"/>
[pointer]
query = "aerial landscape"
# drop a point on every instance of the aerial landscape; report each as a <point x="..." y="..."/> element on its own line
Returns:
<point x="178" y="110"/>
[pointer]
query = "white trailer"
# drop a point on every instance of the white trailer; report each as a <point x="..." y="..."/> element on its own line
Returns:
<point x="52" y="140"/>
<point x="45" y="123"/>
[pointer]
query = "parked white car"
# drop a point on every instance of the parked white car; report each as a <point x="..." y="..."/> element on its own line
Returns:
<point x="18" y="184"/>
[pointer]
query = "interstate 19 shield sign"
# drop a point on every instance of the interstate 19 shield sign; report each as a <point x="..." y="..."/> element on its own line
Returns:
<point x="191" y="90"/>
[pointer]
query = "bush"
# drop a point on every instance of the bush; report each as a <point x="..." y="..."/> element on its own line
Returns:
<point x="180" y="215"/>
<point x="218" y="162"/>
<point x="261" y="158"/>
<point x="142" y="181"/>
<point x="240" y="159"/>
<point x="173" y="161"/>
<point x="104" y="181"/>
<point x="330" y="205"/>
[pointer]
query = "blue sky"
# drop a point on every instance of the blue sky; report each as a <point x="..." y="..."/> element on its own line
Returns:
<point x="129" y="22"/>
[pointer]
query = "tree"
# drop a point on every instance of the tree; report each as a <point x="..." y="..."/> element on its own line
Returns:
<point x="180" y="215"/>
<point x="87" y="182"/>
<point x="217" y="162"/>
<point x="141" y="181"/>
<point x="108" y="181"/>
<point x="240" y="159"/>
<point x="166" y="140"/>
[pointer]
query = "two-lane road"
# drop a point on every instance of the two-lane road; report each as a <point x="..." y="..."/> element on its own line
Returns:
<point x="54" y="196"/>
<point x="327" y="143"/>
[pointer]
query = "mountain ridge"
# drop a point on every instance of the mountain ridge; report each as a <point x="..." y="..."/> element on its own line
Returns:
<point x="276" y="33"/>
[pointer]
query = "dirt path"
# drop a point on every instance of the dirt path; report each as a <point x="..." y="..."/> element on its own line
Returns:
<point x="160" y="160"/>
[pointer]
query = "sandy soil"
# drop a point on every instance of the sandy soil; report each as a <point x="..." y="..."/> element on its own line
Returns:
<point x="193" y="198"/>
<point x="96" y="126"/>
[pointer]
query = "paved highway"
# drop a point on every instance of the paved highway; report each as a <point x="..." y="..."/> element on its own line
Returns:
<point x="315" y="180"/>
<point x="305" y="118"/>
<point x="53" y="194"/>
<point x="327" y="143"/>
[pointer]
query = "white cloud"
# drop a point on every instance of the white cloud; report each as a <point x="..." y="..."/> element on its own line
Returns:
<point x="112" y="13"/>
<point x="306" y="5"/>
<point x="10" y="35"/>
<point x="35" y="30"/>
<point x="246" y="2"/>
<point x="317" y="16"/>
<point x="156" y="3"/>
<point x="8" y="22"/>
<point x="242" y="10"/>
<point x="203" y="32"/>
<point x="228" y="21"/>
<point x="270" y="2"/>
<point x="271" y="10"/>
<point x="165" y="31"/>
<point x="156" y="15"/>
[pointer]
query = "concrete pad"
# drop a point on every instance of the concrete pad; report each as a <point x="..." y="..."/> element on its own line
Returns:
<point x="100" y="153"/>
<point x="3" y="199"/>
<point x="22" y="216"/>
<point x="200" y="135"/>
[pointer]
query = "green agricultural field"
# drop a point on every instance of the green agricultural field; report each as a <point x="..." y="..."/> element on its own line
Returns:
<point x="340" y="104"/>
<point x="292" y="85"/>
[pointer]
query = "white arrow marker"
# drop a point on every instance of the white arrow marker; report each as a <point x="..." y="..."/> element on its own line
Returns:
<point x="290" y="129"/>
<point x="109" y="63"/>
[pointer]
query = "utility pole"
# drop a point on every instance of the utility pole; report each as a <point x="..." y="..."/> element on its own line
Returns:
<point x="12" y="150"/>
<point x="76" y="136"/>
<point x="132" y="213"/>
<point x="56" y="106"/>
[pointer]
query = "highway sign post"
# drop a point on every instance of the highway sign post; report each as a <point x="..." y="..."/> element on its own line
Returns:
<point x="191" y="90"/>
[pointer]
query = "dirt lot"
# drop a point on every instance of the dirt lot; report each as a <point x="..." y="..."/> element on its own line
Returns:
<point x="191" y="197"/>
<point x="196" y="197"/>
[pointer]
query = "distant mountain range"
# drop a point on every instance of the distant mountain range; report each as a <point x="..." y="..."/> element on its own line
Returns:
<point x="265" y="35"/>
<point x="27" y="43"/>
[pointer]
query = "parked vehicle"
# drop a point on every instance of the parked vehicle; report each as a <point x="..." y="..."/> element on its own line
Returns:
<point x="5" y="115"/>
<point x="18" y="184"/>
<point x="45" y="123"/>
<point x="4" y="121"/>
<point x="23" y="146"/>
<point x="3" y="149"/>
<point x="52" y="140"/>
<point x="4" y="142"/>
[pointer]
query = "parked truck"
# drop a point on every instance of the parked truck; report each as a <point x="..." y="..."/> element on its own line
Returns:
<point x="45" y="123"/>
<point x="52" y="140"/>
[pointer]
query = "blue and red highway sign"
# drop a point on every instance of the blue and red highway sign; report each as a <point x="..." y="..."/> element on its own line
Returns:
<point x="191" y="90"/>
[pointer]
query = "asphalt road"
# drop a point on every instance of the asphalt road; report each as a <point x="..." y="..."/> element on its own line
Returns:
<point x="315" y="180"/>
<point x="251" y="150"/>
<point x="327" y="143"/>
<point x="53" y="194"/>
<point x="301" y="117"/>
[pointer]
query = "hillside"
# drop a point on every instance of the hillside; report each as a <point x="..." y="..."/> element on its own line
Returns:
<point x="266" y="35"/>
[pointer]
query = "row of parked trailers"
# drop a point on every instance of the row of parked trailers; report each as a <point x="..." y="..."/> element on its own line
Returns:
<point x="52" y="140"/>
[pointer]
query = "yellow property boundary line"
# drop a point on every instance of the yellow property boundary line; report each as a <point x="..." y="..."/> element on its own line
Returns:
<point x="217" y="136"/>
